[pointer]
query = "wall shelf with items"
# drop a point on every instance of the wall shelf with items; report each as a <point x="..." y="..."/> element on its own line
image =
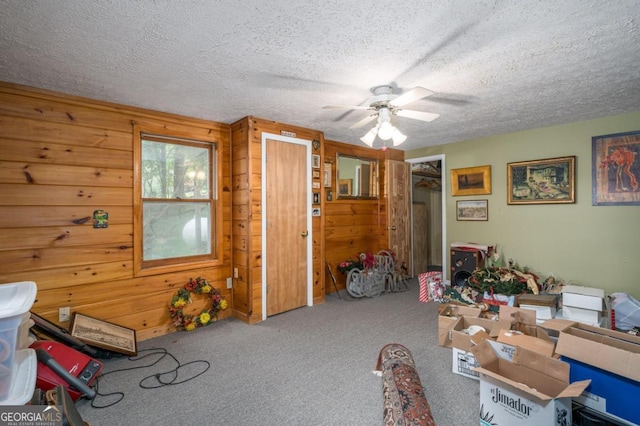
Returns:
<point x="427" y="175"/>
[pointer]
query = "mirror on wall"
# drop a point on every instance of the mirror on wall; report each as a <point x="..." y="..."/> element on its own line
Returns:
<point x="357" y="177"/>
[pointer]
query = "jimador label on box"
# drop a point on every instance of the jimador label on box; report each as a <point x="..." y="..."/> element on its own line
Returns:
<point x="532" y="389"/>
<point x="502" y="405"/>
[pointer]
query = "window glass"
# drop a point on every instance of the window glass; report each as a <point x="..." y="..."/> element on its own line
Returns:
<point x="177" y="199"/>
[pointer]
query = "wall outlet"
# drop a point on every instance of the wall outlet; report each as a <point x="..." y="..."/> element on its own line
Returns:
<point x="229" y="282"/>
<point x="64" y="314"/>
<point x="235" y="272"/>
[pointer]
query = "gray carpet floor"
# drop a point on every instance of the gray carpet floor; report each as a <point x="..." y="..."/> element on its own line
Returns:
<point x="309" y="366"/>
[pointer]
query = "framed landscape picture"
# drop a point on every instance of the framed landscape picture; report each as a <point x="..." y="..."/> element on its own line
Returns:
<point x="472" y="210"/>
<point x="616" y="169"/>
<point x="548" y="181"/>
<point x="103" y="334"/>
<point x="471" y="181"/>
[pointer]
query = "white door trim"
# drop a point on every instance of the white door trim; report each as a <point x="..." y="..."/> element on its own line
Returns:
<point x="309" y="239"/>
<point x="443" y="180"/>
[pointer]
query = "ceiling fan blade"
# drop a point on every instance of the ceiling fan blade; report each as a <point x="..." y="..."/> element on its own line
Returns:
<point x="364" y="121"/>
<point x="344" y="107"/>
<point x="411" y="96"/>
<point x="417" y="115"/>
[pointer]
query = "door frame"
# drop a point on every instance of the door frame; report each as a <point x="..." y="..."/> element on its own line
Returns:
<point x="263" y="178"/>
<point x="443" y="182"/>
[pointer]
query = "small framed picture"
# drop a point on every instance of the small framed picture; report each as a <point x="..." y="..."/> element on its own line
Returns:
<point x="327" y="175"/>
<point x="471" y="181"/>
<point x="316" y="174"/>
<point x="344" y="187"/>
<point x="472" y="210"/>
<point x="315" y="185"/>
<point x="316" y="198"/>
<point x="103" y="334"/>
<point x="315" y="161"/>
<point x="315" y="212"/>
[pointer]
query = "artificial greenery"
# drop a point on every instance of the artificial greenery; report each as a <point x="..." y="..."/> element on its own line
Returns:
<point x="501" y="280"/>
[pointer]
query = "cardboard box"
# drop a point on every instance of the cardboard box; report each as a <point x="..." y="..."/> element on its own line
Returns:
<point x="583" y="297"/>
<point x="611" y="359"/>
<point x="463" y="360"/>
<point x="608" y="393"/>
<point x="448" y="316"/>
<point x="532" y="389"/>
<point x="609" y="350"/>
<point x="540" y="342"/>
<point x="518" y="315"/>
<point x="463" y="363"/>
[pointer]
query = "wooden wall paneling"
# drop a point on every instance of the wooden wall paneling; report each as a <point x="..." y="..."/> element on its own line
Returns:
<point x="65" y="134"/>
<point x="55" y="174"/>
<point x="61" y="195"/>
<point x="72" y="276"/>
<point x="12" y="261"/>
<point x="33" y="238"/>
<point x="44" y="152"/>
<point x="62" y="157"/>
<point x="247" y="136"/>
<point x="35" y="216"/>
<point x="355" y="226"/>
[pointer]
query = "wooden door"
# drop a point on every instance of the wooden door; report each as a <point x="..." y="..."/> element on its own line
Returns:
<point x="286" y="226"/>
<point x="420" y="238"/>
<point x="398" y="183"/>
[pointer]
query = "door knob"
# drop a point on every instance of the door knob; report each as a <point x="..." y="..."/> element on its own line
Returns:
<point x="393" y="228"/>
<point x="304" y="234"/>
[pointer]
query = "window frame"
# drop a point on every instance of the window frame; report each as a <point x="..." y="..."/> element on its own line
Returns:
<point x="151" y="267"/>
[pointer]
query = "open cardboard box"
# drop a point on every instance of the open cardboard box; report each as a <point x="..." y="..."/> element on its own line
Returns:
<point x="463" y="360"/>
<point x="448" y="317"/>
<point x="609" y="350"/>
<point x="611" y="359"/>
<point x="531" y="389"/>
<point x="536" y="340"/>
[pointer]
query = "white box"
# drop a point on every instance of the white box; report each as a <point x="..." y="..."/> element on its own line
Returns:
<point x="583" y="297"/>
<point x="463" y="363"/>
<point x="583" y="315"/>
<point x="533" y="389"/>
<point x="542" y="312"/>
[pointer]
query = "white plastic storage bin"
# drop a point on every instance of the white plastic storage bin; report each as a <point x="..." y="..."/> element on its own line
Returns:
<point x="15" y="300"/>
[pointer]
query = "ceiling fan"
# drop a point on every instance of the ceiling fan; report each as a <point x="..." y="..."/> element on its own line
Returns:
<point x="385" y="104"/>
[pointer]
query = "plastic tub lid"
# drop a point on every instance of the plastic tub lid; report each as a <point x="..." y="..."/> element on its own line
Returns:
<point x="17" y="298"/>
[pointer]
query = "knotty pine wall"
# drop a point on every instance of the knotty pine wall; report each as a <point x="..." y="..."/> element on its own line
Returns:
<point x="61" y="158"/>
<point x="246" y="137"/>
<point x="355" y="226"/>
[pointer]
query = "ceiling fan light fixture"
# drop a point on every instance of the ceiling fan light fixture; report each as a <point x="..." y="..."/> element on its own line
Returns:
<point x="386" y="130"/>
<point x="398" y="137"/>
<point x="370" y="136"/>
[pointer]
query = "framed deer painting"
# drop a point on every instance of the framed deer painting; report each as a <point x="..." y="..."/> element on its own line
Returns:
<point x="616" y="169"/>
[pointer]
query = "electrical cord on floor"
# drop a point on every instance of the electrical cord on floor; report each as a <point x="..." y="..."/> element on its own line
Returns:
<point x="158" y="378"/>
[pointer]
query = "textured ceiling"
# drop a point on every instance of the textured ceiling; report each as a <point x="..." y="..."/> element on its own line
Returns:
<point x="495" y="66"/>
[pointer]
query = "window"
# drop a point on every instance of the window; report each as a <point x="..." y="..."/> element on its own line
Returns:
<point x="177" y="201"/>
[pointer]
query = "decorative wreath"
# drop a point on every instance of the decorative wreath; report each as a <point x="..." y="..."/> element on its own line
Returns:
<point x="190" y="322"/>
